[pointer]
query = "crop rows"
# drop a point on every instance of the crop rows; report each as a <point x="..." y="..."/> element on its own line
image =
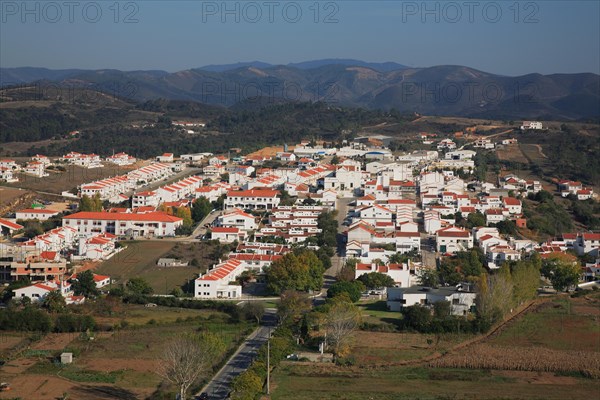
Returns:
<point x="523" y="359"/>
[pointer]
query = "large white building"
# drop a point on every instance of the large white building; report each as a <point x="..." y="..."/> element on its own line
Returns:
<point x="35" y="213"/>
<point x="151" y="224"/>
<point x="253" y="199"/>
<point x="216" y="283"/>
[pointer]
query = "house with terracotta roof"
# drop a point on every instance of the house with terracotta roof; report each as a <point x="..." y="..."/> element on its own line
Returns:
<point x="255" y="199"/>
<point x="453" y="239"/>
<point x="100" y="280"/>
<point x="7" y="227"/>
<point x="35" y="168"/>
<point x="35" y="213"/>
<point x="121" y="159"/>
<point x="402" y="274"/>
<point x="38" y="291"/>
<point x="83" y="160"/>
<point x="34" y="265"/>
<point x="219" y="282"/>
<point x="237" y="218"/>
<point x="98" y="247"/>
<point x="585" y="194"/>
<point x="497" y="255"/>
<point x="227" y="235"/>
<point x="165" y="158"/>
<point x="567" y="187"/>
<point x="151" y="224"/>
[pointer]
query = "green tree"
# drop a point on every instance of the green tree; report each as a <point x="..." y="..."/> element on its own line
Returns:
<point x="562" y="274"/>
<point x="55" y="302"/>
<point x="442" y="309"/>
<point x="375" y="280"/>
<point x="352" y="289"/>
<point x="201" y="208"/>
<point x="417" y="317"/>
<point x="139" y="286"/>
<point x="185" y="214"/>
<point x="84" y="285"/>
<point x="246" y="386"/>
<point x="292" y="306"/>
<point x="475" y="219"/>
<point x="526" y="280"/>
<point x="300" y="270"/>
<point x="253" y="310"/>
<point x="428" y="277"/>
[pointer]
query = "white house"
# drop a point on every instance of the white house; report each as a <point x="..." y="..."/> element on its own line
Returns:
<point x="512" y="205"/>
<point x="35" y="168"/>
<point x="237" y="219"/>
<point x="149" y="224"/>
<point x="165" y="158"/>
<point x="38" y="291"/>
<point x="121" y="159"/>
<point x="453" y="239"/>
<point x="253" y="199"/>
<point x="227" y="235"/>
<point x="461" y="298"/>
<point x="8" y="227"/>
<point x="375" y="213"/>
<point x="588" y="243"/>
<point x="217" y="282"/>
<point x="35" y="213"/>
<point x="531" y="125"/>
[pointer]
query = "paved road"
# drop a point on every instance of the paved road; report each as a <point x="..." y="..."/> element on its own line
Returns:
<point x="218" y="388"/>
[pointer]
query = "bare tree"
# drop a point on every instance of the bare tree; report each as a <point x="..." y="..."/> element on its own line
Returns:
<point x="184" y="361"/>
<point x="341" y="321"/>
<point x="254" y="309"/>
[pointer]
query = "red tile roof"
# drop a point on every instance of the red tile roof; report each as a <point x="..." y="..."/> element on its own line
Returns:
<point x="155" y="216"/>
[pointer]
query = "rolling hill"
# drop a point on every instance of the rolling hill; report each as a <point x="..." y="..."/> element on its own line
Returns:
<point x="440" y="90"/>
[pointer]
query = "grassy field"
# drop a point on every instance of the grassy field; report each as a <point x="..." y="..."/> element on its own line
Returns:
<point x="74" y="176"/>
<point x="391" y="365"/>
<point x="417" y="383"/>
<point x="377" y="312"/>
<point x="121" y="364"/>
<point x="140" y="257"/>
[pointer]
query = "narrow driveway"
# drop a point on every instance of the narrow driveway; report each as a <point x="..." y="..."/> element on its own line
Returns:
<point x="220" y="385"/>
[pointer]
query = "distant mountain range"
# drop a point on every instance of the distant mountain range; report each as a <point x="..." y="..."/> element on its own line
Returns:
<point x="441" y="90"/>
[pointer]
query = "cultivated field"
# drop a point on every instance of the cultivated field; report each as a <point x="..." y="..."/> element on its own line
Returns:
<point x="120" y="364"/>
<point x="140" y="257"/>
<point x="551" y="352"/>
<point x="74" y="176"/>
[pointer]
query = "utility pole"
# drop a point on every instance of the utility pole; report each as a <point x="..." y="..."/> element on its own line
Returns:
<point x="268" y="365"/>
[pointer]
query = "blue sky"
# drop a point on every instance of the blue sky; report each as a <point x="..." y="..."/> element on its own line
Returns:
<point x="503" y="37"/>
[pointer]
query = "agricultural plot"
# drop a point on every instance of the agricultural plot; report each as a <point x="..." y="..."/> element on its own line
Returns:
<point x="552" y="352"/>
<point x="74" y="176"/>
<point x="120" y="364"/>
<point x="140" y="257"/>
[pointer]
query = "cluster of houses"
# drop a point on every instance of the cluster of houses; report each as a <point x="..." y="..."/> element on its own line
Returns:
<point x="392" y="205"/>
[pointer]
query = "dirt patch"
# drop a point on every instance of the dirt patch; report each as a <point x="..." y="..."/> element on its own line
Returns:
<point x="55" y="341"/>
<point x="540" y="378"/>
<point x="117" y="364"/>
<point x="42" y="387"/>
<point x="16" y="367"/>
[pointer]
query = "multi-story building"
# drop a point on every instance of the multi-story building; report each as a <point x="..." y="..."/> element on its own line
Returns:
<point x="151" y="224"/>
<point x="253" y="199"/>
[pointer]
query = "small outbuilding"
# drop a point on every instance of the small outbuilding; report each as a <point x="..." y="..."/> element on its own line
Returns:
<point x="66" y="358"/>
